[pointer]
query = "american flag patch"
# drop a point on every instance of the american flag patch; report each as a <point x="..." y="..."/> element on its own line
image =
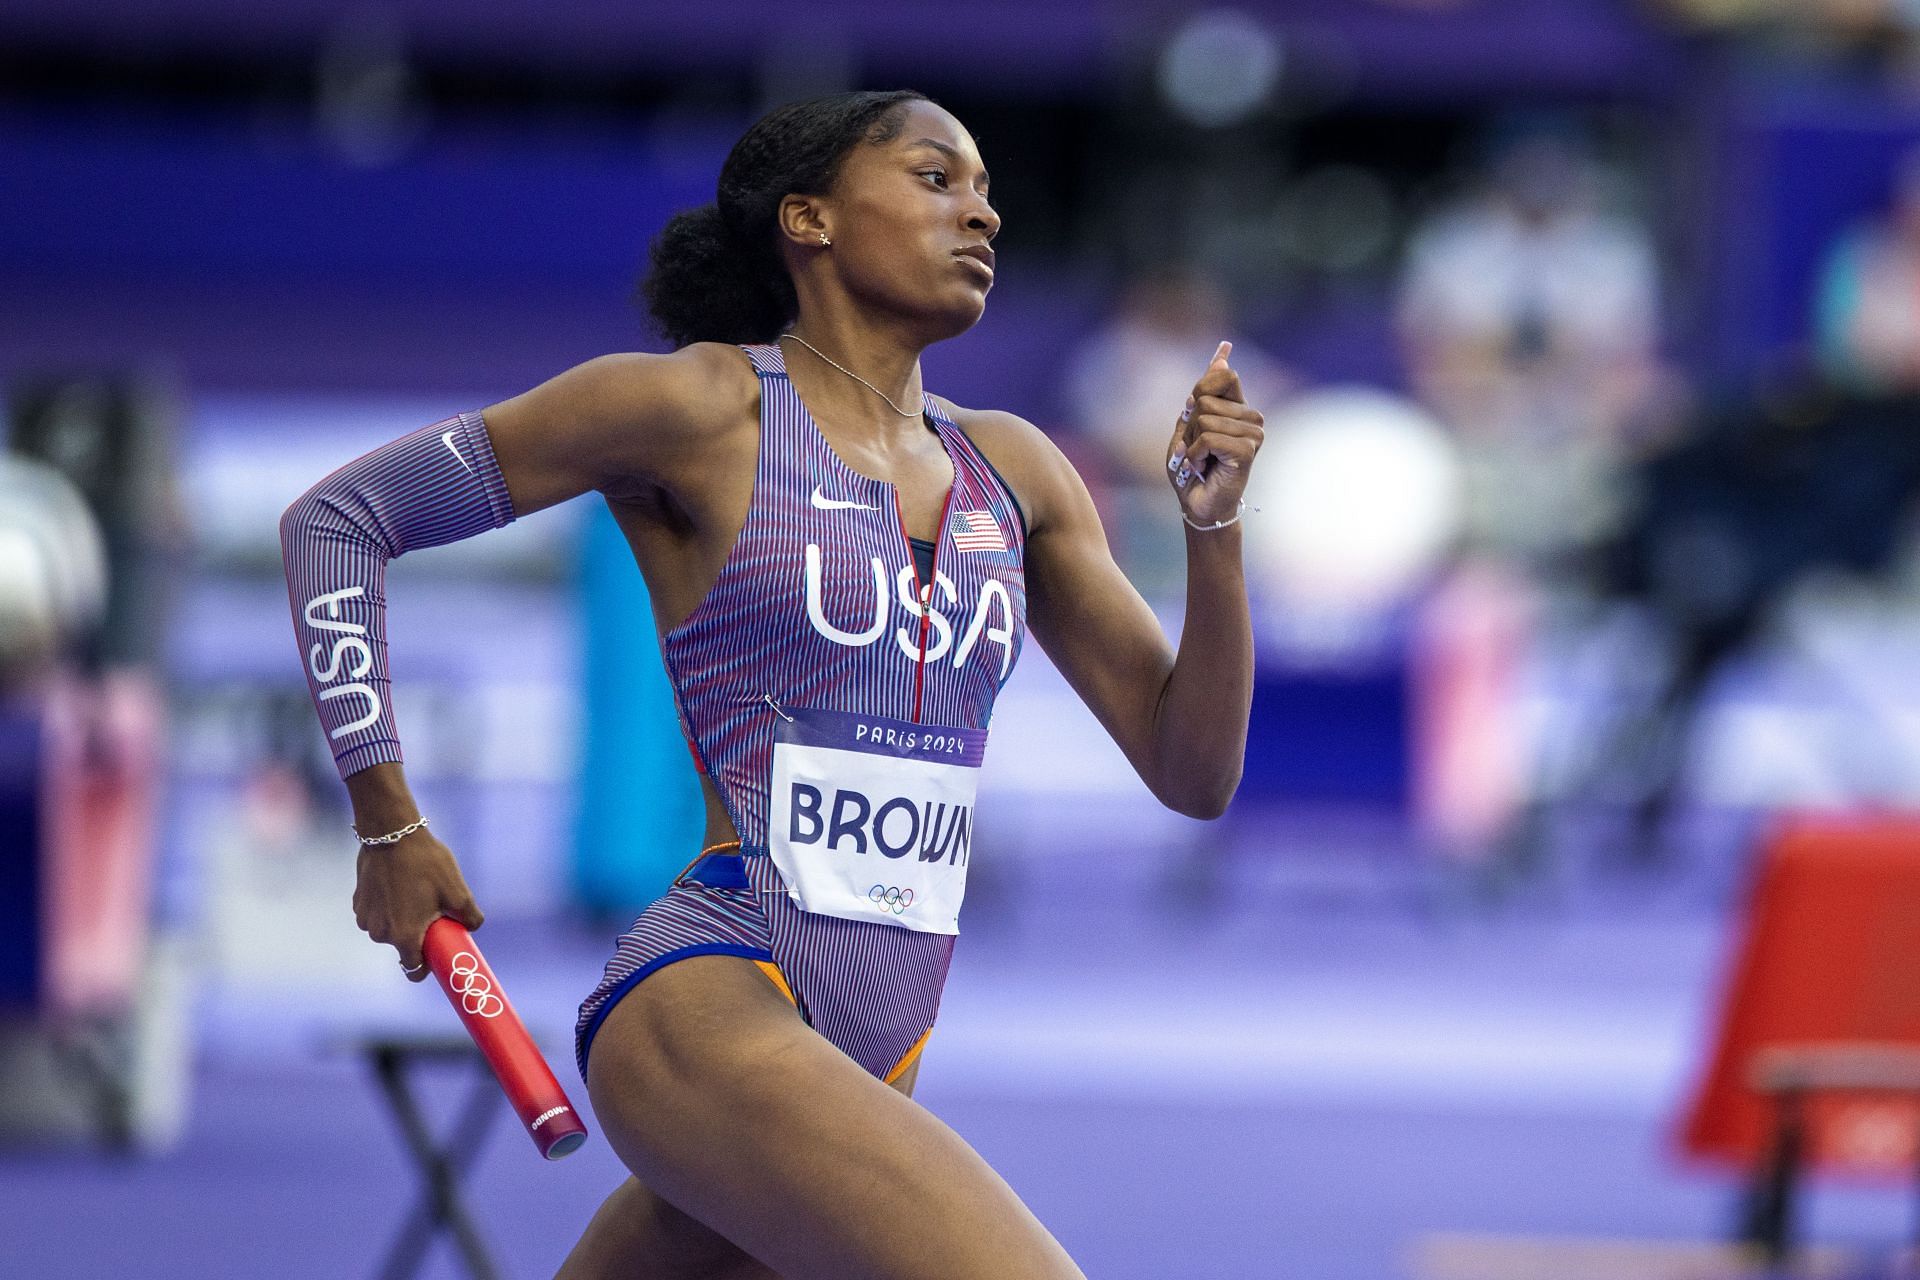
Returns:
<point x="977" y="531"/>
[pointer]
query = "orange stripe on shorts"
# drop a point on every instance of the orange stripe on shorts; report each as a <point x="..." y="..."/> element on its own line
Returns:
<point x="778" y="979"/>
<point x="906" y="1059"/>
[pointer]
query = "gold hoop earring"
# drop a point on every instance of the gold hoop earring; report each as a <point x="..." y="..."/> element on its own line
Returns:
<point x="824" y="242"/>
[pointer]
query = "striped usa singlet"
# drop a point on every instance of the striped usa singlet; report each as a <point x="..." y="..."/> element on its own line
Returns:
<point x="820" y="605"/>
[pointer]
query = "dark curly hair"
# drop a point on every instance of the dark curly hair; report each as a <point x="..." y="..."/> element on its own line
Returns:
<point x="715" y="272"/>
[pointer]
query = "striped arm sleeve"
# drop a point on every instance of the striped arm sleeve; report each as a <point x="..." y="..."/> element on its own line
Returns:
<point x="439" y="484"/>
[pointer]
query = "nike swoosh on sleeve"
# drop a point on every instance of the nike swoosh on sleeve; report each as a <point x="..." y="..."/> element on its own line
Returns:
<point x="824" y="503"/>
<point x="446" y="438"/>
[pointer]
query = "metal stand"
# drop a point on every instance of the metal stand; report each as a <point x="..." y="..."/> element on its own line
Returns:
<point x="1766" y="1219"/>
<point x="440" y="1165"/>
<point x="1790" y="1076"/>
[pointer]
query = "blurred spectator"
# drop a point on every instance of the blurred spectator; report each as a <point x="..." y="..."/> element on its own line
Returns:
<point x="1810" y="473"/>
<point x="1529" y="316"/>
<point x="1762" y="494"/>
<point x="111" y="437"/>
<point x="84" y="506"/>
<point x="1870" y="296"/>
<point x="1126" y="385"/>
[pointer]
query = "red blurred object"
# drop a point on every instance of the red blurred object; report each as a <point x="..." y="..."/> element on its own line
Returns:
<point x="523" y="1073"/>
<point x="100" y="790"/>
<point x="1830" y="961"/>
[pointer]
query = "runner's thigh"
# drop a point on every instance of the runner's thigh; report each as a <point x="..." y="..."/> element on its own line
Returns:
<point x="730" y="1108"/>
<point x="636" y="1233"/>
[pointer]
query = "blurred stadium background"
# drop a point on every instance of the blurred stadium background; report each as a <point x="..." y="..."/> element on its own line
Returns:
<point x="1588" y="334"/>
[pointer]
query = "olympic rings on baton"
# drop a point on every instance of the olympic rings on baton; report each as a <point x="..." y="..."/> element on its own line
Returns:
<point x="898" y="900"/>
<point x="476" y="993"/>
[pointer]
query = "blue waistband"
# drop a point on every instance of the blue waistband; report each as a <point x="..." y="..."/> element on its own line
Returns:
<point x="722" y="870"/>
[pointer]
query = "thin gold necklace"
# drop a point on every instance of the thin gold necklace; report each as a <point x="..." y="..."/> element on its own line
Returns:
<point x="905" y="413"/>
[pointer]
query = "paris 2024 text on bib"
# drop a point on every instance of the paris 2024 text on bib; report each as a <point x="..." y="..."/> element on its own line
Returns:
<point x="872" y="818"/>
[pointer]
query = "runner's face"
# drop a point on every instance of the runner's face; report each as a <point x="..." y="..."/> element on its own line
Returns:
<point x="911" y="223"/>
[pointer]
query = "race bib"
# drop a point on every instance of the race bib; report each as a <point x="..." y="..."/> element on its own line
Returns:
<point x="872" y="818"/>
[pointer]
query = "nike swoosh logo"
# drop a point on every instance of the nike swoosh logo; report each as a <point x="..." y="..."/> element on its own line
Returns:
<point x="837" y="504"/>
<point x="446" y="438"/>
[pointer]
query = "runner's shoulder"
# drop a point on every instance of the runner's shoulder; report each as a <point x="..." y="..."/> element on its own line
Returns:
<point x="1030" y="462"/>
<point x="699" y="390"/>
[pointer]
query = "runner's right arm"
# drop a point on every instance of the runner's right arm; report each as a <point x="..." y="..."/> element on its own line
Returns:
<point x="612" y="422"/>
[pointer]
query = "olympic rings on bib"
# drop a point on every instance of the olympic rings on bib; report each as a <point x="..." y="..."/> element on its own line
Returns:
<point x="476" y="993"/>
<point x="896" y="900"/>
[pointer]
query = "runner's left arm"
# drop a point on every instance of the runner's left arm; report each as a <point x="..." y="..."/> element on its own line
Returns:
<point x="1180" y="716"/>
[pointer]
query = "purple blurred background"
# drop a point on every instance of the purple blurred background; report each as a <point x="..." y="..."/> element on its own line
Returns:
<point x="1588" y="336"/>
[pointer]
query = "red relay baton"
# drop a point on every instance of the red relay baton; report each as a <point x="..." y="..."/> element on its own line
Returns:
<point x="523" y="1074"/>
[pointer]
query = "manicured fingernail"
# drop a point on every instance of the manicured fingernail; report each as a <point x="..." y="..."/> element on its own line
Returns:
<point x="1224" y="350"/>
<point x="1188" y="411"/>
<point x="1179" y="456"/>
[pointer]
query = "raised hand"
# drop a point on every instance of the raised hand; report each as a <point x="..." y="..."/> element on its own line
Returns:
<point x="1214" y="443"/>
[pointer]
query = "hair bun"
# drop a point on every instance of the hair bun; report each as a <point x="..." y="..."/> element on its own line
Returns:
<point x="715" y="273"/>
<point x="704" y="286"/>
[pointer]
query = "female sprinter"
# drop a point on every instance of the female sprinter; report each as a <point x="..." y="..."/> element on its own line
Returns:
<point x="842" y="569"/>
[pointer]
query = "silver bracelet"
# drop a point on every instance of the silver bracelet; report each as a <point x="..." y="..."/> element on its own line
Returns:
<point x="391" y="837"/>
<point x="1218" y="524"/>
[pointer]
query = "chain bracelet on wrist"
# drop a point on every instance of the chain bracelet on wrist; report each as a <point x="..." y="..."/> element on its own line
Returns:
<point x="1238" y="511"/>
<point x="391" y="837"/>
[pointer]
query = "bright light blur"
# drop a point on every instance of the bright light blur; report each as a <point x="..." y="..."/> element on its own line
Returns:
<point x="1358" y="499"/>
